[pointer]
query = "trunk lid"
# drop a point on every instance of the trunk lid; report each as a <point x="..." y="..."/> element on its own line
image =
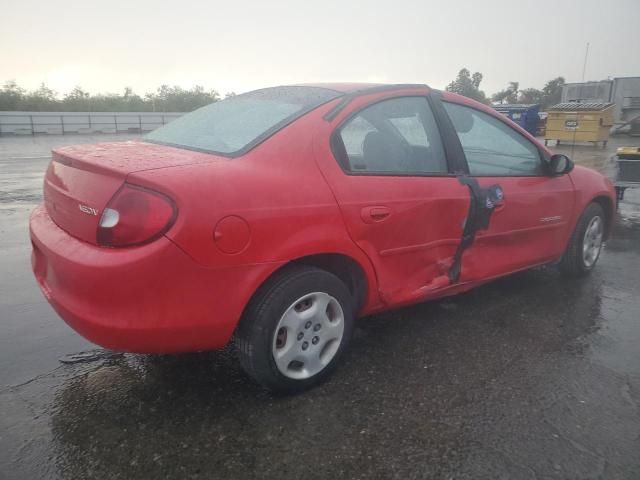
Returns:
<point x="81" y="179"/>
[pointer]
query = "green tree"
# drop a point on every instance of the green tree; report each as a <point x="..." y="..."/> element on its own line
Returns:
<point x="77" y="100"/>
<point x="11" y="96"/>
<point x="132" y="102"/>
<point x="166" y="98"/>
<point x="468" y="85"/>
<point x="176" y="99"/>
<point x="549" y="95"/>
<point x="530" y="96"/>
<point x="552" y="92"/>
<point x="150" y="99"/>
<point x="508" y="95"/>
<point x="42" y="99"/>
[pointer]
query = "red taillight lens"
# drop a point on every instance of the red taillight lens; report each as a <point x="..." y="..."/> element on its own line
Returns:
<point x="134" y="216"/>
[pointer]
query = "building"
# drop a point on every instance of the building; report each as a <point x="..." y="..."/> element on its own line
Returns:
<point x="624" y="92"/>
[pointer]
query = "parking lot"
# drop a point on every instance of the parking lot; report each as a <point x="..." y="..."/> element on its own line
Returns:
<point x="530" y="377"/>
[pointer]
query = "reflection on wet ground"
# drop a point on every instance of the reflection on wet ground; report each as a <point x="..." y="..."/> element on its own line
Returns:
<point x="532" y="376"/>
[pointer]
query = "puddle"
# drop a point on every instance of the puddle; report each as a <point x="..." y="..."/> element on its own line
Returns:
<point x="89" y="356"/>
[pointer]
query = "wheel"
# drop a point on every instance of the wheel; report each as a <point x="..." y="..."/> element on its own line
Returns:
<point x="585" y="244"/>
<point x="295" y="329"/>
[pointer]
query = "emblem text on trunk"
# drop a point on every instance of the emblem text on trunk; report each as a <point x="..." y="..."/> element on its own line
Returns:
<point x="88" y="210"/>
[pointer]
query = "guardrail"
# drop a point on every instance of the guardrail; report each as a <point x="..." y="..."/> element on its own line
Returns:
<point x="61" y="123"/>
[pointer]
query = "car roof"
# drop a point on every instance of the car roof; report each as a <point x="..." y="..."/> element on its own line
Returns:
<point x="350" y="88"/>
<point x="342" y="87"/>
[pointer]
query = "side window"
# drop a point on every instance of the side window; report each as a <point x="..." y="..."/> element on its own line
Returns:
<point x="493" y="148"/>
<point x="398" y="135"/>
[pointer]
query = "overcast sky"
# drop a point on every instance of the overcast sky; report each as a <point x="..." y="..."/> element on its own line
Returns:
<point x="239" y="45"/>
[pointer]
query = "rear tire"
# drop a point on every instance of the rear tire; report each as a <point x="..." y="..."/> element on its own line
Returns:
<point x="585" y="244"/>
<point x="295" y="329"/>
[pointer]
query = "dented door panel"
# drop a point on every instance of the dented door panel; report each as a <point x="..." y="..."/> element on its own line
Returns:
<point x="413" y="247"/>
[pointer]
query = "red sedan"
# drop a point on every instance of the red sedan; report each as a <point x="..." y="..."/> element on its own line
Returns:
<point x="279" y="216"/>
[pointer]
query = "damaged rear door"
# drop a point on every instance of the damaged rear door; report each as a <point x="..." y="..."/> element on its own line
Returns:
<point x="401" y="201"/>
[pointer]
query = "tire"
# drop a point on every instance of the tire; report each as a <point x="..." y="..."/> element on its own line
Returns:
<point x="295" y="329"/>
<point x="575" y="261"/>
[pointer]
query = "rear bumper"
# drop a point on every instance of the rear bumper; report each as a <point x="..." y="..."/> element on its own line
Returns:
<point x="148" y="299"/>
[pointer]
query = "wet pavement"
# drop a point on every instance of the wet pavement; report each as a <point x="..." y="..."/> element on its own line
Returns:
<point x="530" y="377"/>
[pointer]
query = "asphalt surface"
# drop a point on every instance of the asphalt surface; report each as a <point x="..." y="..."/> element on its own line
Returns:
<point x="530" y="377"/>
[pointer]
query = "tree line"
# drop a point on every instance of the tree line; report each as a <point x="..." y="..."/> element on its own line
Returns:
<point x="176" y="99"/>
<point x="468" y="84"/>
<point x="165" y="99"/>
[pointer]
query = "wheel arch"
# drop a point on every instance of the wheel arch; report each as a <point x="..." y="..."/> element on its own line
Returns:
<point x="345" y="268"/>
<point x="360" y="279"/>
<point x="609" y="212"/>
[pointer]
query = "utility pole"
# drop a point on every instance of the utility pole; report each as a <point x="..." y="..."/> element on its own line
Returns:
<point x="584" y="66"/>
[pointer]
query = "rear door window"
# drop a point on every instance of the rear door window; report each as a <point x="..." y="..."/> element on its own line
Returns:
<point x="395" y="136"/>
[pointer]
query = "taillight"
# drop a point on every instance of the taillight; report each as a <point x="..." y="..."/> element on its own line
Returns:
<point x="134" y="216"/>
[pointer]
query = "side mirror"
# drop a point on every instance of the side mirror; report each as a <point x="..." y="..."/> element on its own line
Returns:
<point x="559" y="164"/>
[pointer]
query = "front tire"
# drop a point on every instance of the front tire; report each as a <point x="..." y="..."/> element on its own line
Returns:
<point x="586" y="242"/>
<point x="295" y="329"/>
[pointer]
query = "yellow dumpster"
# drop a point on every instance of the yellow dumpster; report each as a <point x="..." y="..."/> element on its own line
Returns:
<point x="579" y="122"/>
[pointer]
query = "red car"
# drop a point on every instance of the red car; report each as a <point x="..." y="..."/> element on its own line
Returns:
<point x="278" y="216"/>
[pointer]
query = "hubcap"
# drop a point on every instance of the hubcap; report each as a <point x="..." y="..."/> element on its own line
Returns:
<point x="592" y="242"/>
<point x="308" y="335"/>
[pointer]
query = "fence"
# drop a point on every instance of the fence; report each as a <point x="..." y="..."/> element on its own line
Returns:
<point x="61" y="123"/>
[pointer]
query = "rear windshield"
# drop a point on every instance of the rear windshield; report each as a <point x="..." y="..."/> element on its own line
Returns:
<point x="237" y="124"/>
